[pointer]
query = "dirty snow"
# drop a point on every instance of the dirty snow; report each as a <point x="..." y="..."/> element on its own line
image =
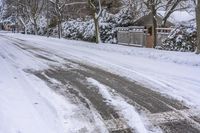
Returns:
<point x="126" y="110"/>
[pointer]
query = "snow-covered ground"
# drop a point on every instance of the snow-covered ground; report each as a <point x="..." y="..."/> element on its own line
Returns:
<point x="171" y="73"/>
<point x="27" y="104"/>
<point x="21" y="99"/>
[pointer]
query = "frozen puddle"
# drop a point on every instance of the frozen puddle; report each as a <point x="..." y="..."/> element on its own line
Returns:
<point x="125" y="110"/>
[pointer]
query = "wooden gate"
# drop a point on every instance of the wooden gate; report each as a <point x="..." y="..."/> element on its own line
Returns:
<point x="134" y="35"/>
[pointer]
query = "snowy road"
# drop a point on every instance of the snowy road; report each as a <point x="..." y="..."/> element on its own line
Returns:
<point x="47" y="86"/>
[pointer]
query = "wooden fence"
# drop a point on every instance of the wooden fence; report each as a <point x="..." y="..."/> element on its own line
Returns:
<point x="134" y="35"/>
<point x="138" y="36"/>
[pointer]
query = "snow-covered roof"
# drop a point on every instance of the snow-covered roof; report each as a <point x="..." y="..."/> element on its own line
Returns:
<point x="146" y="20"/>
<point x="179" y="16"/>
<point x="9" y="20"/>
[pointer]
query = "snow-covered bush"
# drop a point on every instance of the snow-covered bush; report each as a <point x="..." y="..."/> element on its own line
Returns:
<point x="182" y="38"/>
<point x="109" y="22"/>
<point x="125" y="17"/>
<point x="41" y="26"/>
<point x="42" y="23"/>
<point x="107" y="33"/>
<point x="83" y="29"/>
<point x="79" y="30"/>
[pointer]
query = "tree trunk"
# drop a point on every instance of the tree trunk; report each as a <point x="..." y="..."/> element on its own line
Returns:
<point x="164" y="21"/>
<point x="25" y="30"/>
<point x="154" y="28"/>
<point x="35" y="27"/>
<point x="96" y="23"/>
<point x="95" y="18"/>
<point x="198" y="27"/>
<point x="59" y="29"/>
<point x="47" y="28"/>
<point x="23" y="23"/>
<point x="47" y="17"/>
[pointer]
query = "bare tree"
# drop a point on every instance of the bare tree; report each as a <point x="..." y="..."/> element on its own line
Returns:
<point x="14" y="9"/>
<point x="33" y="9"/>
<point x="8" y="8"/>
<point x="59" y="8"/>
<point x="96" y="12"/>
<point x="198" y="26"/>
<point x="152" y="5"/>
<point x="58" y="12"/>
<point x="47" y="16"/>
<point x="1" y="9"/>
<point x="22" y="16"/>
<point x="170" y="8"/>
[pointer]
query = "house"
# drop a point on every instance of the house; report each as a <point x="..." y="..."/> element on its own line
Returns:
<point x="162" y="32"/>
<point x="141" y="33"/>
<point x="8" y="24"/>
<point x="146" y="20"/>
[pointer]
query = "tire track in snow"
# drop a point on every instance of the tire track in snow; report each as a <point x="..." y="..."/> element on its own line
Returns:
<point x="126" y="111"/>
